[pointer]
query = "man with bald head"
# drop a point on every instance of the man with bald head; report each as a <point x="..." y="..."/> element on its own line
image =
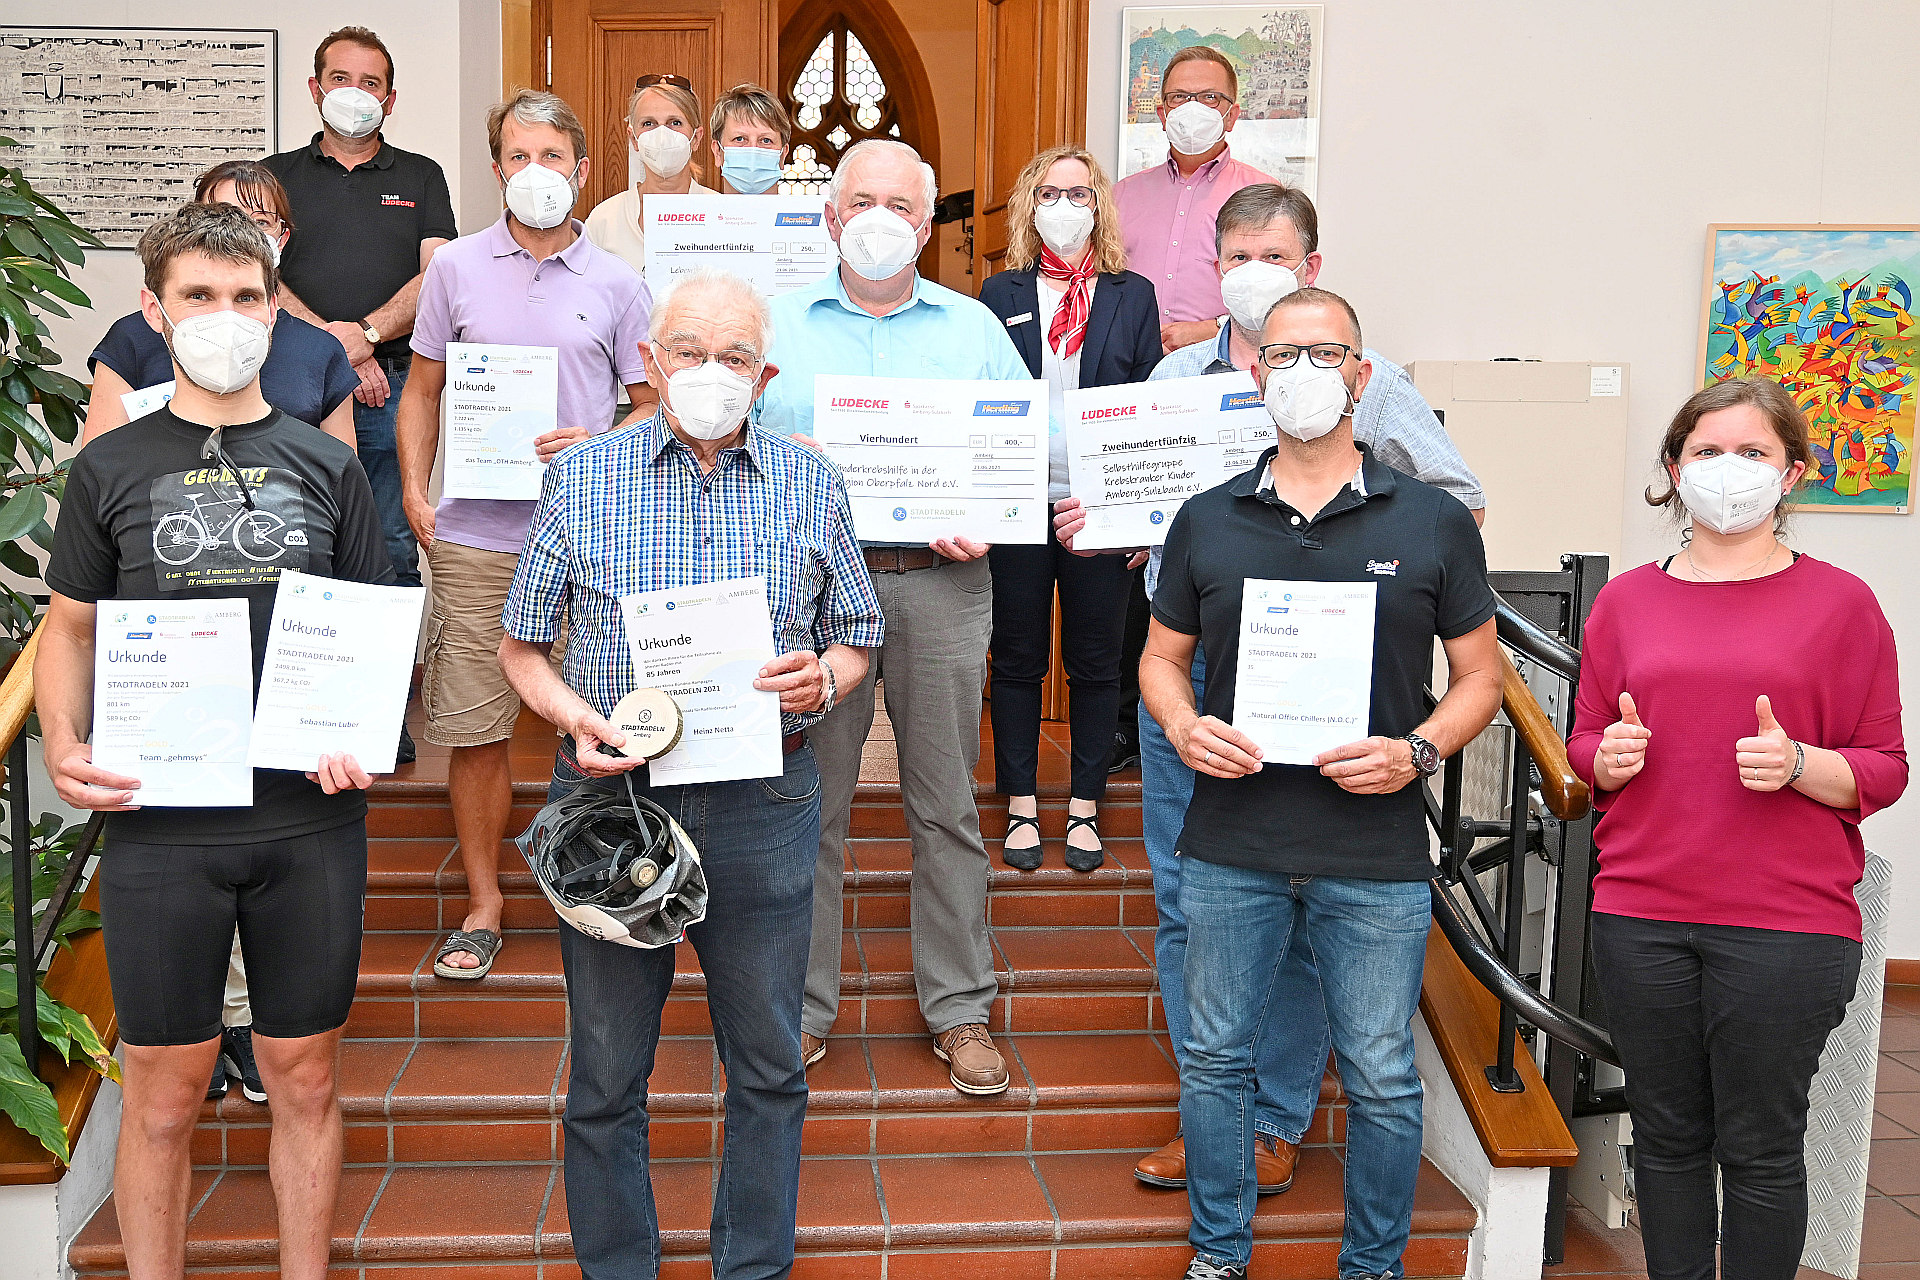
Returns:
<point x="878" y="316"/>
<point x="613" y="521"/>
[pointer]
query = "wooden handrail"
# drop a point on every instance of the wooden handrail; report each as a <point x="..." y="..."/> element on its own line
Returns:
<point x="1566" y="795"/>
<point x="16" y="692"/>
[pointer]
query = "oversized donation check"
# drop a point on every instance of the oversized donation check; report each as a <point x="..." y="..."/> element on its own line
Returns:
<point x="1136" y="453"/>
<point x="498" y="401"/>
<point x="339" y="656"/>
<point x="778" y="243"/>
<point x="1304" y="680"/>
<point x="705" y="645"/>
<point x="173" y="699"/>
<point x="928" y="458"/>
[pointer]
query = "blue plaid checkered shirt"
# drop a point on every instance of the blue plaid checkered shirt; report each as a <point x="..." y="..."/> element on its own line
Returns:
<point x="630" y="511"/>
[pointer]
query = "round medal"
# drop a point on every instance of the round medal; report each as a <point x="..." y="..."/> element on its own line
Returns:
<point x="651" y="720"/>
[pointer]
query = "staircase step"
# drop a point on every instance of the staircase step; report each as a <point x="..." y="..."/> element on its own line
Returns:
<point x="1080" y="1215"/>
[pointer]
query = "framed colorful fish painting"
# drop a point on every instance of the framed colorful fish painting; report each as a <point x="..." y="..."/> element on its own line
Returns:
<point x="1828" y="312"/>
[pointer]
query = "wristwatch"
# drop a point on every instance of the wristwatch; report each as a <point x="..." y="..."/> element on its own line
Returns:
<point x="1426" y="756"/>
<point x="367" y="331"/>
<point x="832" y="691"/>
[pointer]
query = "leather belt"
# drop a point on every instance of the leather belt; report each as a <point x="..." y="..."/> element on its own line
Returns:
<point x="902" y="559"/>
<point x="792" y="743"/>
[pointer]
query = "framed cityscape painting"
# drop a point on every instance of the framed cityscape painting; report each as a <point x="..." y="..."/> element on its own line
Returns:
<point x="1276" y="49"/>
<point x="1827" y="311"/>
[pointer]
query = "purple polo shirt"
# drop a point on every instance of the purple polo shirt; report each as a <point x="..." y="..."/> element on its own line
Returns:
<point x="1167" y="223"/>
<point x="583" y="301"/>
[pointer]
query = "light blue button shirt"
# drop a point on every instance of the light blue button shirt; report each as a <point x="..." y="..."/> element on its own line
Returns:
<point x="936" y="333"/>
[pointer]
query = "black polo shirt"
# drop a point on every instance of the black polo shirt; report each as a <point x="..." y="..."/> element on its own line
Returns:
<point x="357" y="232"/>
<point x="1422" y="549"/>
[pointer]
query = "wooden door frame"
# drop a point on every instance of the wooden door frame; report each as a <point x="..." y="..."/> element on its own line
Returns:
<point x="524" y="28"/>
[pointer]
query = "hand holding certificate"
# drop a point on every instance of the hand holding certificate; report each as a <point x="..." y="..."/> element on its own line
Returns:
<point x="704" y="646"/>
<point x="1304" y="680"/>
<point x="1137" y="452"/>
<point x="339" y="658"/>
<point x="499" y="400"/>
<point x="172" y="694"/>
<point x="927" y="458"/>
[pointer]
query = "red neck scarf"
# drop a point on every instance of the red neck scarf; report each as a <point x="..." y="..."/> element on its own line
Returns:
<point x="1069" y="327"/>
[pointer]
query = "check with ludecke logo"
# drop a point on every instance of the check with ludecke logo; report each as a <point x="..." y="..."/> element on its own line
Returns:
<point x="776" y="243"/>
<point x="1137" y="452"/>
<point x="928" y="458"/>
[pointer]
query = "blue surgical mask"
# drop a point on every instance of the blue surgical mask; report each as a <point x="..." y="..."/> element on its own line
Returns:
<point x="750" y="170"/>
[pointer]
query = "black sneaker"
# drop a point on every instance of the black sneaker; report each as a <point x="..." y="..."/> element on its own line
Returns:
<point x="1126" y="752"/>
<point x="217" y="1089"/>
<point x="405" y="754"/>
<point x="236" y="1060"/>
<point x="1201" y="1269"/>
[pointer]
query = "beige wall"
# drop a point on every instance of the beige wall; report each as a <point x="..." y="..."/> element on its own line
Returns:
<point x="942" y="32"/>
<point x="1516" y="179"/>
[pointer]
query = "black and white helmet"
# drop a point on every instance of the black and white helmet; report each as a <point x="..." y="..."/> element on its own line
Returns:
<point x="616" y="867"/>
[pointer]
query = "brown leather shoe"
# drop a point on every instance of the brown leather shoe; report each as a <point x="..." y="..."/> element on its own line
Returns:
<point x="1166" y="1167"/>
<point x="974" y="1065"/>
<point x="812" y="1049"/>
<point x="1273" y="1160"/>
<point x="1273" y="1163"/>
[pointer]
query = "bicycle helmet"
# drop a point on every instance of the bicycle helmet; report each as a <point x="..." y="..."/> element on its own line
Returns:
<point x="616" y="867"/>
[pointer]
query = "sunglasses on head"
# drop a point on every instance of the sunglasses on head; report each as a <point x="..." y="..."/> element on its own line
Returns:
<point x="678" y="82"/>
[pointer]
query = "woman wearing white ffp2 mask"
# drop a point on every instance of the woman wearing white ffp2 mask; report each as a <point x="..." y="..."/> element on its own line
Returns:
<point x="1738" y="715"/>
<point x="663" y="134"/>
<point x="1080" y="319"/>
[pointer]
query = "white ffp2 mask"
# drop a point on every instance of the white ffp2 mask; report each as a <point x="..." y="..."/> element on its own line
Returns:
<point x="351" y="112"/>
<point x="1063" y="225"/>
<point x="662" y="151"/>
<point x="541" y="197"/>
<point x="1729" y="493"/>
<point x="1306" y="401"/>
<point x="221" y="351"/>
<point x="1251" y="289"/>
<point x="1193" y="127"/>
<point x="709" y="401"/>
<point x="879" y="243"/>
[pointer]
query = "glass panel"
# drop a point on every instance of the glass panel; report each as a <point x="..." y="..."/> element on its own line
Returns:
<point x="895" y="131"/>
<point x="839" y="137"/>
<point x="814" y="88"/>
<point x="804" y="174"/>
<point x="864" y="87"/>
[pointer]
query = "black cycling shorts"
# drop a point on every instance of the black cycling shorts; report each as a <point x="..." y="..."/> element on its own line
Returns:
<point x="168" y="912"/>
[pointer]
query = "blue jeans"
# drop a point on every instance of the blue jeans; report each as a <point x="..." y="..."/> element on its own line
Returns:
<point x="757" y="839"/>
<point x="373" y="433"/>
<point x="1293" y="1049"/>
<point x="1369" y="940"/>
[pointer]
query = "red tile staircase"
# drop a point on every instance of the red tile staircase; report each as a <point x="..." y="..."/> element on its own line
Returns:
<point x="453" y="1091"/>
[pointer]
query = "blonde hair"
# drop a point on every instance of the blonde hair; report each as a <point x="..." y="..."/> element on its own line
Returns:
<point x="757" y="105"/>
<point x="683" y="100"/>
<point x="1023" y="242"/>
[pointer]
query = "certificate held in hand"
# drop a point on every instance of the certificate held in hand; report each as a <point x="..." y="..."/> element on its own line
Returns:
<point x="498" y="401"/>
<point x="1303" y="683"/>
<point x="172" y="683"/>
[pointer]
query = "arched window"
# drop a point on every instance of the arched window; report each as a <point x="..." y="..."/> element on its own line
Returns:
<point x="849" y="73"/>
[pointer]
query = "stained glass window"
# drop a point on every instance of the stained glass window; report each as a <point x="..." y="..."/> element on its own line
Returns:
<point x="838" y="97"/>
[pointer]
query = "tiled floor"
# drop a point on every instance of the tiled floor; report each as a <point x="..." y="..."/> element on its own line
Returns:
<point x="1890" y="1249"/>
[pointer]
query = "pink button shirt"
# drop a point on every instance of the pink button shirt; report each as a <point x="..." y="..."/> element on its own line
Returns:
<point x="1167" y="223"/>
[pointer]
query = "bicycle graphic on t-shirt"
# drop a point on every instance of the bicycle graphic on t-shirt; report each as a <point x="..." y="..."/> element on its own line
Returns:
<point x="179" y="537"/>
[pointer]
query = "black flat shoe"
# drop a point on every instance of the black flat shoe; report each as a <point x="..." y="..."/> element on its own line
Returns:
<point x="1084" y="859"/>
<point x="1027" y="859"/>
<point x="1126" y="752"/>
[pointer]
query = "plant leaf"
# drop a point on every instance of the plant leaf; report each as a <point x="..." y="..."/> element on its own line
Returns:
<point x="87" y="1040"/>
<point x="57" y="239"/>
<point x="22" y="512"/>
<point x="28" y="1102"/>
<point x="23" y="424"/>
<point x="21" y="234"/>
<point x="15" y="557"/>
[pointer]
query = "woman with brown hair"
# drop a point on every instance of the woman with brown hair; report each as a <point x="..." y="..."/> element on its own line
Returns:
<point x="306" y="375"/>
<point x="1725" y="931"/>
<point x="1080" y="319"/>
<point x="664" y="132"/>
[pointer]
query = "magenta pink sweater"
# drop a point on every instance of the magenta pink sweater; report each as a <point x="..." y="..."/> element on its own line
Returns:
<point x="1683" y="840"/>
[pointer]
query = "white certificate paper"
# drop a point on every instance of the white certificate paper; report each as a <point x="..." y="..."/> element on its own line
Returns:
<point x="173" y="699"/>
<point x="139" y="404"/>
<point x="1304" y="680"/>
<point x="498" y="401"/>
<point x="339" y="656"/>
<point x="928" y="458"/>
<point x="777" y="243"/>
<point x="705" y="645"/>
<point x="1136" y="453"/>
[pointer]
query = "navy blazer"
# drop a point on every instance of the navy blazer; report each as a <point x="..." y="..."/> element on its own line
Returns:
<point x="1123" y="332"/>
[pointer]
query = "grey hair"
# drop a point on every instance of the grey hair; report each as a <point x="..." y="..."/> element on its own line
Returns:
<point x="837" y="183"/>
<point x="532" y="107"/>
<point x="727" y="288"/>
<point x="1260" y="205"/>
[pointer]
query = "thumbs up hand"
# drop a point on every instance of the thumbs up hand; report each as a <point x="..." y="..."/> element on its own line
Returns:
<point x="1767" y="759"/>
<point x="1623" y="748"/>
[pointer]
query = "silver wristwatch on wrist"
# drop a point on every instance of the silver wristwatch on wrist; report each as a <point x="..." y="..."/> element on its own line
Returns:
<point x="833" y="687"/>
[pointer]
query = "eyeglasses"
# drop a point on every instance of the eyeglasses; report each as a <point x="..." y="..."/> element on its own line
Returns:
<point x="1218" y="101"/>
<point x="737" y="362"/>
<point x="678" y="82"/>
<point x="1079" y="197"/>
<point x="1325" y="355"/>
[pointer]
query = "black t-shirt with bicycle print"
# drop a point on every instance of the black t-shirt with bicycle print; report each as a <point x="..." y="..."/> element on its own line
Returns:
<point x="146" y="517"/>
